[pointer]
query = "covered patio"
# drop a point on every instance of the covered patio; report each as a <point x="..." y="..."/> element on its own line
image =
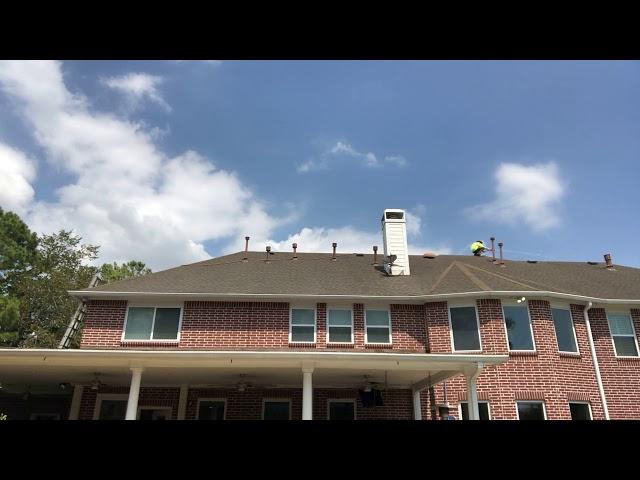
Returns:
<point x="128" y="372"/>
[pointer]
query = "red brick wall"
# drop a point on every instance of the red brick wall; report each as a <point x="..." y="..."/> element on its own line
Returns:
<point x="620" y="376"/>
<point x="542" y="375"/>
<point x="149" y="397"/>
<point x="247" y="405"/>
<point x="249" y="326"/>
<point x="103" y="323"/>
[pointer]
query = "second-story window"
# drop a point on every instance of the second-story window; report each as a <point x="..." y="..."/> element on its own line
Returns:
<point x="519" y="332"/>
<point x="565" y="333"/>
<point x="152" y="323"/>
<point x="623" y="334"/>
<point x="303" y="325"/>
<point x="377" y="326"/>
<point x="339" y="326"/>
<point x="464" y="328"/>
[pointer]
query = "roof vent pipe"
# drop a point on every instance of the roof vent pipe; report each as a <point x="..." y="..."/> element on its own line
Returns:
<point x="607" y="260"/>
<point x="375" y="255"/>
<point x="501" y="259"/>
<point x="493" y="248"/>
<point x="334" y="245"/>
<point x="295" y="254"/>
<point x="246" y="249"/>
<point x="268" y="252"/>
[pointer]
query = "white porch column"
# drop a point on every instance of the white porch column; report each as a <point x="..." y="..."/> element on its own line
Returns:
<point x="134" y="393"/>
<point x="74" y="412"/>
<point x="307" y="394"/>
<point x="417" y="405"/>
<point x="472" y="392"/>
<point x="182" y="402"/>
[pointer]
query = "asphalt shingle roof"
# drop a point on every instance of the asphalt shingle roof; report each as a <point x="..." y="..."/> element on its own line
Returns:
<point x="351" y="274"/>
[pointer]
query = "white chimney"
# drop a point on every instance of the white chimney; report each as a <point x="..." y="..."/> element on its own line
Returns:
<point x="394" y="239"/>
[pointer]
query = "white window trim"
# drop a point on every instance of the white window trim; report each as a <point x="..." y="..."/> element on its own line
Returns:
<point x="342" y="400"/>
<point x="223" y="400"/>
<point x="53" y="414"/>
<point x="573" y="326"/>
<point x="169" y="409"/>
<point x="106" y="396"/>
<point x="327" y="320"/>
<point x="153" y="323"/>
<point x="582" y="403"/>
<point x="366" y="327"/>
<point x="315" y="324"/>
<point x="506" y="331"/>
<point x="633" y="327"/>
<point x="265" y="400"/>
<point x="453" y="346"/>
<point x="544" y="407"/>
<point x="479" y="402"/>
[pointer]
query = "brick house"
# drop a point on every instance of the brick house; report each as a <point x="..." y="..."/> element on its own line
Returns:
<point x="289" y="335"/>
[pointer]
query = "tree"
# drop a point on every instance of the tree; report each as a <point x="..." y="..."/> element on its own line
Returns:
<point x="17" y="248"/>
<point x="61" y="264"/>
<point x="9" y="321"/>
<point x="112" y="272"/>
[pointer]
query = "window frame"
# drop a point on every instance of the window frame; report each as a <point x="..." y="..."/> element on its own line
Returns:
<point x="573" y="327"/>
<point x="151" y="407"/>
<point x="479" y="402"/>
<point x="315" y="324"/>
<point x="366" y="327"/>
<point x="342" y="400"/>
<point x="581" y="403"/>
<point x="506" y="330"/>
<point x="208" y="399"/>
<point x="453" y="346"/>
<point x="633" y="327"/>
<point x="153" y="324"/>
<point x="544" y="408"/>
<point x="279" y="400"/>
<point x="106" y="396"/>
<point x="327" y="322"/>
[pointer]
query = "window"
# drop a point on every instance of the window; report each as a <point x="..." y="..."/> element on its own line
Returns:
<point x="340" y="326"/>
<point x="342" y="410"/>
<point x="519" y="333"/>
<point x="377" y="326"/>
<point x="580" y="411"/>
<point x="303" y="325"/>
<point x="152" y="323"/>
<point x="623" y="334"/>
<point x="565" y="333"/>
<point x="483" y="409"/>
<point x="530" y="410"/>
<point x="110" y="407"/>
<point x="211" y="409"/>
<point x="465" y="330"/>
<point x="276" y="410"/>
<point x="154" y="413"/>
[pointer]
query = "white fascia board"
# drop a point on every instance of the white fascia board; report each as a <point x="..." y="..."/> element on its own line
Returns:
<point x="406" y="298"/>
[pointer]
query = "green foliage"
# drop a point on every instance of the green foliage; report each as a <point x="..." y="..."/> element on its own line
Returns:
<point x="3" y="416"/>
<point x="112" y="272"/>
<point x="17" y="248"/>
<point x="45" y="306"/>
<point x="9" y="321"/>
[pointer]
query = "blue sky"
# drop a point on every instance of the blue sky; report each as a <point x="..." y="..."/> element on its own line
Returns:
<point x="173" y="162"/>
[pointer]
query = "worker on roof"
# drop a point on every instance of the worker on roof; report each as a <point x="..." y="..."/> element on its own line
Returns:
<point x="478" y="248"/>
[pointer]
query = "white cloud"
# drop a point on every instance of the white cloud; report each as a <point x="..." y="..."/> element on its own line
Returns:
<point x="126" y="194"/>
<point x="137" y="87"/>
<point x="524" y="194"/>
<point x="17" y="171"/>
<point x="346" y="151"/>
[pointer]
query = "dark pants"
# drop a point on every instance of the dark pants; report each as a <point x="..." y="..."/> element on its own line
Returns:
<point x="478" y="252"/>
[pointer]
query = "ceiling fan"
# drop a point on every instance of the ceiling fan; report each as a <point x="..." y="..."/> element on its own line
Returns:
<point x="373" y="385"/>
<point x="96" y="383"/>
<point x="243" y="384"/>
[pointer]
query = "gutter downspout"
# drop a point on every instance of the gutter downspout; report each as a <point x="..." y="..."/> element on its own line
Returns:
<point x="595" y="360"/>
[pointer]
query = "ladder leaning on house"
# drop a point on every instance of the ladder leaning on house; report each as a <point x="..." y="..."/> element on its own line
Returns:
<point x="76" y="319"/>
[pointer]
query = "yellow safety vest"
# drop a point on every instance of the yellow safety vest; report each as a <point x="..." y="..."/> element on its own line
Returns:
<point x="476" y="245"/>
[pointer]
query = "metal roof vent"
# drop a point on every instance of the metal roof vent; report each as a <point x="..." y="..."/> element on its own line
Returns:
<point x="532" y="261"/>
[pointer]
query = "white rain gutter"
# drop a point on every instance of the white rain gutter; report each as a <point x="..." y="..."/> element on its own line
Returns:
<point x="404" y="298"/>
<point x="595" y="360"/>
